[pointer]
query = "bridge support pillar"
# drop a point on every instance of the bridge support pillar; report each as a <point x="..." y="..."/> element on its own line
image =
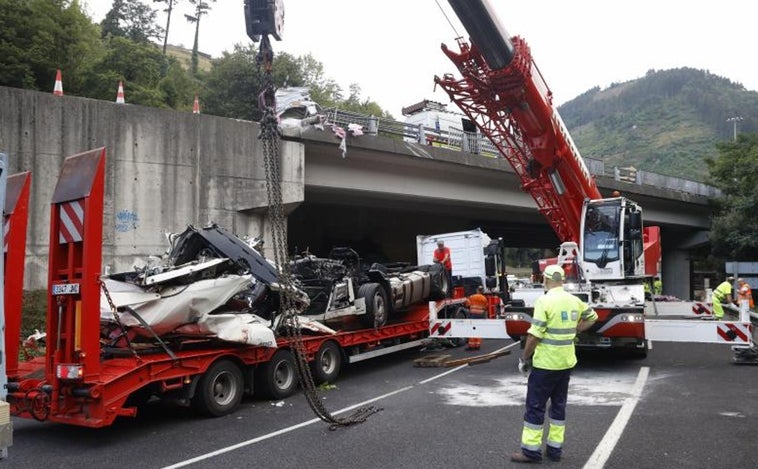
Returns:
<point x="253" y="215"/>
<point x="676" y="273"/>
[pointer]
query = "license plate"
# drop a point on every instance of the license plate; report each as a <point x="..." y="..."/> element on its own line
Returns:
<point x="66" y="289"/>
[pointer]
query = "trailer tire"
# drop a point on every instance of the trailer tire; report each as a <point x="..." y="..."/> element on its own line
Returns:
<point x="377" y="308"/>
<point x="277" y="378"/>
<point x="455" y="312"/>
<point x="219" y="390"/>
<point x="459" y="313"/>
<point x="327" y="363"/>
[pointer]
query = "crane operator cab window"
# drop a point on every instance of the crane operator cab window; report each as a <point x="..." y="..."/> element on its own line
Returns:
<point x="601" y="234"/>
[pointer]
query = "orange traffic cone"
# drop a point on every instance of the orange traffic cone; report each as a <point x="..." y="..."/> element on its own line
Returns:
<point x="196" y="106"/>
<point x="58" y="90"/>
<point x="120" y="93"/>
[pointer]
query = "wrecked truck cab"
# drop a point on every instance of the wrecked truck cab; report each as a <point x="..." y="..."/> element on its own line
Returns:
<point x="341" y="288"/>
<point x="211" y="284"/>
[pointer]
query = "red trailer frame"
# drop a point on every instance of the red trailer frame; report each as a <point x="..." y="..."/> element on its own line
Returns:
<point x="15" y="218"/>
<point x="78" y="382"/>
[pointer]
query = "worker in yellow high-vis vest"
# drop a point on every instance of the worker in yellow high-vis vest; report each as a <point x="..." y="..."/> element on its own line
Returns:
<point x="549" y="353"/>
<point x="722" y="294"/>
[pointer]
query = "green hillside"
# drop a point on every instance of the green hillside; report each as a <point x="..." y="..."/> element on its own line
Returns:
<point x="667" y="122"/>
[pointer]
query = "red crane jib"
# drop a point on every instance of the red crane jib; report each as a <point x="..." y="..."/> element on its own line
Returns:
<point x="512" y="107"/>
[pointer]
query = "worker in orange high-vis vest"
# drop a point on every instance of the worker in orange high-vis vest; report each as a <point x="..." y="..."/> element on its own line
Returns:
<point x="744" y="293"/>
<point x="477" y="307"/>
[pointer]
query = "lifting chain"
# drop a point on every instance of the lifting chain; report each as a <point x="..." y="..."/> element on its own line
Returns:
<point x="288" y="307"/>
<point x="114" y="311"/>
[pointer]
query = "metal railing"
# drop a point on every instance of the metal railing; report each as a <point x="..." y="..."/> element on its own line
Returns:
<point x="474" y="142"/>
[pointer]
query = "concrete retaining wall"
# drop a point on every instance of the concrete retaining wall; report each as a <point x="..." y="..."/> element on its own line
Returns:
<point x="164" y="170"/>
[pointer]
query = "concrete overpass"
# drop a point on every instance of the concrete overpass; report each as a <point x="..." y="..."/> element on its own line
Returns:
<point x="167" y="169"/>
<point x="386" y="191"/>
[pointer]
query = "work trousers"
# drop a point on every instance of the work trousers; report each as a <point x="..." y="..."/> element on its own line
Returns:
<point x="449" y="274"/>
<point x="544" y="385"/>
<point x="718" y="309"/>
<point x="475" y="343"/>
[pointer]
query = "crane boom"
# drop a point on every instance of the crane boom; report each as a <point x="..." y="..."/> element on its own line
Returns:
<point x="503" y="92"/>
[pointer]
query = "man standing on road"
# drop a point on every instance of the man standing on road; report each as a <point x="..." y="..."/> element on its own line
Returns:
<point x="722" y="294"/>
<point x="558" y="316"/>
<point x="441" y="255"/>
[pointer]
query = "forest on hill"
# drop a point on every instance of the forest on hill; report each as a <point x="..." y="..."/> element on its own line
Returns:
<point x="668" y="121"/>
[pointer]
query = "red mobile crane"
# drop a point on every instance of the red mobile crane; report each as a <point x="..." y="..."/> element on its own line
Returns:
<point x="502" y="90"/>
<point x="504" y="93"/>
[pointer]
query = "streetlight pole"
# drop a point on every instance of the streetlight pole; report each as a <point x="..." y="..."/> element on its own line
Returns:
<point x="734" y="121"/>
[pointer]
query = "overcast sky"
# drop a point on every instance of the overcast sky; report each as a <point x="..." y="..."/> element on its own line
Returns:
<point x="391" y="48"/>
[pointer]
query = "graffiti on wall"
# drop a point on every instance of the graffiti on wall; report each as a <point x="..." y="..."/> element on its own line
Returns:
<point x="126" y="220"/>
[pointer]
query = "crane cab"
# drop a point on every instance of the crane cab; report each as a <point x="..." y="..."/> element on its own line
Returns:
<point x="611" y="242"/>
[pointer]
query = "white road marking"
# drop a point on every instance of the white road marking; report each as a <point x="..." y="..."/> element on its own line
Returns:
<point x="611" y="438"/>
<point x="279" y="432"/>
<point x="227" y="449"/>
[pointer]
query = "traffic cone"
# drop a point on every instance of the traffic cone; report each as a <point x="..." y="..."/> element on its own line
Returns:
<point x="58" y="90"/>
<point x="196" y="106"/>
<point x="120" y="93"/>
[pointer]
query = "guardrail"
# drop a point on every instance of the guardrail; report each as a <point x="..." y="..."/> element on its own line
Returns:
<point x="474" y="142"/>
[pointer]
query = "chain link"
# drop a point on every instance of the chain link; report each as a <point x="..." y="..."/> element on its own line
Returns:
<point x="270" y="138"/>
<point x="114" y="312"/>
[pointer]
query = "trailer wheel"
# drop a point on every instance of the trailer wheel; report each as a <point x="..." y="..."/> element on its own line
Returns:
<point x="219" y="390"/>
<point x="377" y="309"/>
<point x="327" y="363"/>
<point x="460" y="313"/>
<point x="277" y="378"/>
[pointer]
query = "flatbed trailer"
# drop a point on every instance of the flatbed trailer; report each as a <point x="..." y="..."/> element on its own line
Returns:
<point x="79" y="381"/>
<point x="211" y="375"/>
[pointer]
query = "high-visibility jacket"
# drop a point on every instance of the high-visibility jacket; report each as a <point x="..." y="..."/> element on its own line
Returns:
<point x="477" y="304"/>
<point x="746" y="293"/>
<point x="657" y="287"/>
<point x="556" y="315"/>
<point x="721" y="292"/>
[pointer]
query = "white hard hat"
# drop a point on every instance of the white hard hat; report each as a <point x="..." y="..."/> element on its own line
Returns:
<point x="554" y="272"/>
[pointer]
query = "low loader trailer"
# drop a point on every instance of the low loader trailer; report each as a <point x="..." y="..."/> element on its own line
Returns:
<point x="85" y="381"/>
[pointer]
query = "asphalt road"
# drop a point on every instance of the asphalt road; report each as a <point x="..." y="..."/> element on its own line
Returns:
<point x="684" y="406"/>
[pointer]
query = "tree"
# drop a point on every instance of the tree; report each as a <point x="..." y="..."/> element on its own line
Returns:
<point x="138" y="64"/>
<point x="132" y="19"/>
<point x="39" y="36"/>
<point x="169" y="8"/>
<point x="355" y="103"/>
<point x="233" y="84"/>
<point x="734" y="232"/>
<point x="201" y="8"/>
